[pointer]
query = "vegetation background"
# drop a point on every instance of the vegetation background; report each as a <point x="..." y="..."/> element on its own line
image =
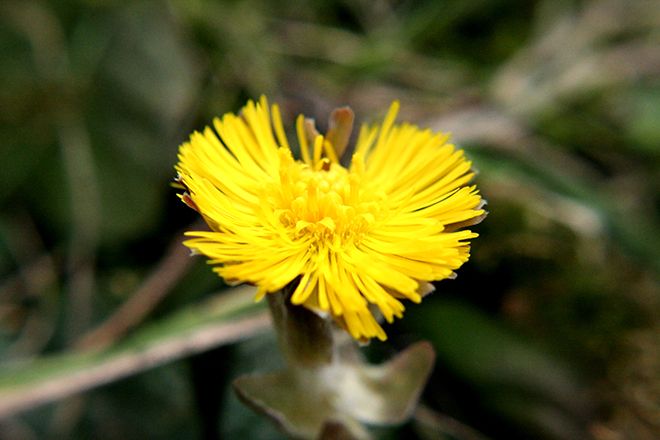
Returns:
<point x="550" y="331"/>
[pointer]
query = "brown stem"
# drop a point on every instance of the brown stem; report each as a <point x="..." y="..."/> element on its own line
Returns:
<point x="155" y="288"/>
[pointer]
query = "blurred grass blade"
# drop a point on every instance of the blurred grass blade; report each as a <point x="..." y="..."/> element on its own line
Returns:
<point x="518" y="380"/>
<point x="223" y="319"/>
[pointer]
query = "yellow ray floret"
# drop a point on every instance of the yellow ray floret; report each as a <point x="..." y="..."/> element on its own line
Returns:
<point x="349" y="241"/>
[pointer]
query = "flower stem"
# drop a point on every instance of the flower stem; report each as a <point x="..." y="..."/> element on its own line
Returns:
<point x="306" y="339"/>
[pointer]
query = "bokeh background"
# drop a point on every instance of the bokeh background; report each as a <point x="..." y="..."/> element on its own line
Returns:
<point x="551" y="331"/>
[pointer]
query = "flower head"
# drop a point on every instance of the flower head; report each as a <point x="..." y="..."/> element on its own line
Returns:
<point x="347" y="240"/>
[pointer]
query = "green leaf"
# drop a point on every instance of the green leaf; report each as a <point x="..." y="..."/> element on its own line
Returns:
<point x="223" y="319"/>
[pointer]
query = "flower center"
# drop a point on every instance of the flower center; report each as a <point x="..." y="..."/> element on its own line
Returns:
<point x="329" y="207"/>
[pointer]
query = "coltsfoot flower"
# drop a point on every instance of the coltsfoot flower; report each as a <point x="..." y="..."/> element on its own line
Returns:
<point x="349" y="240"/>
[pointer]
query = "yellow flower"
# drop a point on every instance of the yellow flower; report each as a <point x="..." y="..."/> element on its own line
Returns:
<point x="348" y="240"/>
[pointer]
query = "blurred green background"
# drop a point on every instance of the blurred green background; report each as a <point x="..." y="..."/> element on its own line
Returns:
<point x="549" y="332"/>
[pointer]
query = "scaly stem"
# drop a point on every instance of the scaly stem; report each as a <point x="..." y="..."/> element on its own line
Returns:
<point x="306" y="339"/>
